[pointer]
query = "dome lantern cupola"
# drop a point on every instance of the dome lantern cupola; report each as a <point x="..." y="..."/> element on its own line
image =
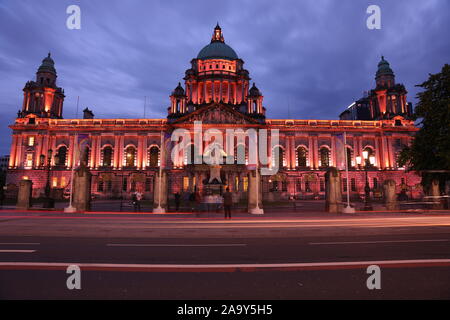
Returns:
<point x="385" y="76"/>
<point x="217" y="49"/>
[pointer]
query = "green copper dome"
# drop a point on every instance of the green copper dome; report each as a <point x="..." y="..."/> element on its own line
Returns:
<point x="217" y="50"/>
<point x="48" y="65"/>
<point x="384" y="68"/>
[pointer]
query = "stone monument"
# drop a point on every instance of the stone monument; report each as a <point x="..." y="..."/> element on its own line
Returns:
<point x="82" y="188"/>
<point x="24" y="195"/>
<point x="389" y="194"/>
<point x="333" y="194"/>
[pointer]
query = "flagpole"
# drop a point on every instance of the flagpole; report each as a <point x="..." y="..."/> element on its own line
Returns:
<point x="257" y="209"/>
<point x="159" y="209"/>
<point x="347" y="209"/>
<point x="74" y="161"/>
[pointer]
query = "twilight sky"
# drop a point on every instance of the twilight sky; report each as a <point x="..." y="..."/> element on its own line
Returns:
<point x="314" y="56"/>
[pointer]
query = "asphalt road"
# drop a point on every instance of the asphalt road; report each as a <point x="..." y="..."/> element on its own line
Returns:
<point x="318" y="258"/>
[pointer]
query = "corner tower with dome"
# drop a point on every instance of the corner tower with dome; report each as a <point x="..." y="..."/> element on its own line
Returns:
<point x="386" y="101"/>
<point x="217" y="75"/>
<point x="42" y="97"/>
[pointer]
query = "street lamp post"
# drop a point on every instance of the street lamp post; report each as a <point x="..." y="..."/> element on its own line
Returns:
<point x="368" y="162"/>
<point x="48" y="200"/>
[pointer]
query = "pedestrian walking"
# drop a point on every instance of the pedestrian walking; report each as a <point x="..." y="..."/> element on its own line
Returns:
<point x="198" y="200"/>
<point x="2" y="195"/>
<point x="177" y="201"/>
<point x="192" y="201"/>
<point x="227" y="203"/>
<point x="139" y="197"/>
<point x="136" y="198"/>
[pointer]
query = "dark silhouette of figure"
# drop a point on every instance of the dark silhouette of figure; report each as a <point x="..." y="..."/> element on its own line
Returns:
<point x="177" y="201"/>
<point x="227" y="203"/>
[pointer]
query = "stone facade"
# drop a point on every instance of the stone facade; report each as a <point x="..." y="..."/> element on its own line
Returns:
<point x="124" y="155"/>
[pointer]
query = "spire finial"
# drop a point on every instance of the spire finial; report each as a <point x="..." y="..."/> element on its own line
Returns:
<point x="217" y="34"/>
<point x="49" y="54"/>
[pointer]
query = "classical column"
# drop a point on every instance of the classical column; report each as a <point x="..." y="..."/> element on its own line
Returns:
<point x="120" y="151"/>
<point x="293" y="164"/>
<point x="19" y="151"/>
<point x="204" y="91"/>
<point x="378" y="153"/>
<point x="144" y="152"/>
<point x="360" y="146"/>
<point x="93" y="151"/>
<point x="99" y="152"/>
<point x="71" y="151"/>
<point x="287" y="153"/>
<point x="310" y="152"/>
<point x="391" y="152"/>
<point x="52" y="142"/>
<point x="12" y="153"/>
<point x="116" y="152"/>
<point x="333" y="151"/>
<point x="316" y="152"/>
<point x="139" y="153"/>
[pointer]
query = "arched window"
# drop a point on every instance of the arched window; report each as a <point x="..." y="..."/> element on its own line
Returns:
<point x="86" y="155"/>
<point x="61" y="156"/>
<point x="107" y="156"/>
<point x="278" y="151"/>
<point x="324" y="155"/>
<point x="130" y="156"/>
<point x="349" y="157"/>
<point x="153" y="157"/>
<point x="302" y="156"/>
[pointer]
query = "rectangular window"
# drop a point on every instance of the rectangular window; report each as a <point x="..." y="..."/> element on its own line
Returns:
<point x="344" y="184"/>
<point x="299" y="185"/>
<point x="124" y="184"/>
<point x="63" y="182"/>
<point x="30" y="141"/>
<point x="148" y="183"/>
<point x="245" y="183"/>
<point x="29" y="160"/>
<point x="322" y="185"/>
<point x="185" y="183"/>
<point x="307" y="186"/>
<point x="353" y="184"/>
<point x="100" y="186"/>
<point x="109" y="186"/>
<point x="375" y="183"/>
<point x="54" y="182"/>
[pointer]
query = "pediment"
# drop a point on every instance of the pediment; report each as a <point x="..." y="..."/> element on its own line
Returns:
<point x="216" y="114"/>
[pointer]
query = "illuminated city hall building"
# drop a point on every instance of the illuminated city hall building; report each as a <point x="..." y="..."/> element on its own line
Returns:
<point x="125" y="155"/>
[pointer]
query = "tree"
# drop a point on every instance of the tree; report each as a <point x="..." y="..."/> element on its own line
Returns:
<point x="430" y="149"/>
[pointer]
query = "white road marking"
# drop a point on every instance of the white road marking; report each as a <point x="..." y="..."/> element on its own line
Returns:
<point x="20" y="243"/>
<point x="226" y="267"/>
<point x="175" y="245"/>
<point x="380" y="241"/>
<point x="17" y="251"/>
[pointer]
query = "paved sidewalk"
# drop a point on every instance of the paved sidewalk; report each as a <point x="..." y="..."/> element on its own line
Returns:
<point x="303" y="209"/>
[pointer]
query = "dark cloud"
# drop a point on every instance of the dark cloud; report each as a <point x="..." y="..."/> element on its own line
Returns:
<point x="313" y="57"/>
